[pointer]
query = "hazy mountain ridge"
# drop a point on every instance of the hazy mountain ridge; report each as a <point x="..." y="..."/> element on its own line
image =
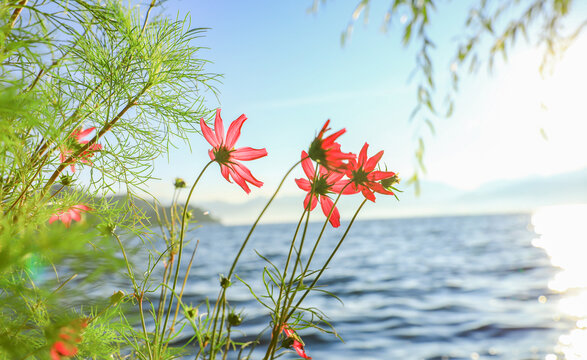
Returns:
<point x="520" y="195"/>
<point x="148" y="209"/>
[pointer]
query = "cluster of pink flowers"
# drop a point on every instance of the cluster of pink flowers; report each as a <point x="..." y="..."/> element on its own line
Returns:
<point x="337" y="172"/>
<point x="328" y="171"/>
<point x="74" y="143"/>
<point x="333" y="165"/>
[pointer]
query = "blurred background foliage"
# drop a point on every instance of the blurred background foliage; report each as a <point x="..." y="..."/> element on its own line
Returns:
<point x="490" y="30"/>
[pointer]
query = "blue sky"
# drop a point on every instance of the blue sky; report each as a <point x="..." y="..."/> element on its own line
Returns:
<point x="285" y="69"/>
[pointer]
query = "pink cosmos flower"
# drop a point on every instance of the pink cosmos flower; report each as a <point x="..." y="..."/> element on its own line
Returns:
<point x="224" y="153"/>
<point x="73" y="213"/>
<point x="61" y="350"/>
<point x="319" y="187"/>
<point x="298" y="344"/>
<point x="326" y="152"/>
<point x="70" y="336"/>
<point x="75" y="143"/>
<point x="364" y="177"/>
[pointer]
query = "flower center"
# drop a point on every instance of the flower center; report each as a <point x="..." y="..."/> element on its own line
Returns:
<point x="222" y="155"/>
<point x="320" y="187"/>
<point x="316" y="152"/>
<point x="359" y="177"/>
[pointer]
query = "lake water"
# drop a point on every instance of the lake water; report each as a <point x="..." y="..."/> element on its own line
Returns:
<point x="472" y="287"/>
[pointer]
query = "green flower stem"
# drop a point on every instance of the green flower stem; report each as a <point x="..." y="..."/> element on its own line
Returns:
<point x="185" y="279"/>
<point x="287" y="304"/>
<point x="327" y="261"/>
<point x="139" y="298"/>
<point x="28" y="185"/>
<point x="282" y="285"/>
<point x="227" y="343"/>
<point x="165" y="224"/>
<point x="278" y="323"/>
<point x="181" y="238"/>
<point x="223" y="291"/>
<point x="318" y="240"/>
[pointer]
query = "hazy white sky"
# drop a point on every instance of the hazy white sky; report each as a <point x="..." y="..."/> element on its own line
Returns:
<point x="285" y="69"/>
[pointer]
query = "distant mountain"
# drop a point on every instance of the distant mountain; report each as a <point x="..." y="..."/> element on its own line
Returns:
<point x="198" y="214"/>
<point x="520" y="195"/>
<point x="532" y="192"/>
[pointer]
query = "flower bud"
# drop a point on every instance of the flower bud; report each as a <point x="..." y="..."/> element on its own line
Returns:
<point x="116" y="297"/>
<point x="107" y="228"/>
<point x="66" y="180"/>
<point x="389" y="182"/>
<point x="224" y="282"/>
<point x="179" y="183"/>
<point x="234" y="319"/>
<point x="191" y="313"/>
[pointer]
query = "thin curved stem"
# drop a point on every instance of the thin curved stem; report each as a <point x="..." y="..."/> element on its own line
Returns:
<point x="181" y="238"/>
<point x="327" y="261"/>
<point x="317" y="242"/>
<point x="278" y="322"/>
<point x="223" y="291"/>
<point x="139" y="297"/>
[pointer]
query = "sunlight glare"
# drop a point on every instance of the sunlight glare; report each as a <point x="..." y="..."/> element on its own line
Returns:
<point x="563" y="235"/>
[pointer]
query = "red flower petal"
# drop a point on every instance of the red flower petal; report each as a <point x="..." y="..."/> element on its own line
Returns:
<point x="372" y="162"/>
<point x="308" y="166"/>
<point x="345" y="186"/>
<point x="208" y="134"/>
<point x="363" y="154"/>
<point x="224" y="171"/>
<point x="380" y="175"/>
<point x="375" y="186"/>
<point x="303" y="184"/>
<point x="324" y="129"/>
<point x="239" y="180"/>
<point x="64" y="349"/>
<point x="299" y="348"/>
<point x="314" y="201"/>
<point x="81" y="207"/>
<point x="367" y="193"/>
<point x="329" y="141"/>
<point x="79" y="135"/>
<point x="218" y="127"/>
<point x="246" y="174"/>
<point x="75" y="215"/>
<point x="327" y="204"/>
<point x="248" y="153"/>
<point x="332" y="177"/>
<point x="54" y="355"/>
<point x="234" y="131"/>
<point x="66" y="219"/>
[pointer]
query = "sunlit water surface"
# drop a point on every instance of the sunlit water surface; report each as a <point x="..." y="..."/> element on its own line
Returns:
<point x="475" y="287"/>
<point x="562" y="234"/>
